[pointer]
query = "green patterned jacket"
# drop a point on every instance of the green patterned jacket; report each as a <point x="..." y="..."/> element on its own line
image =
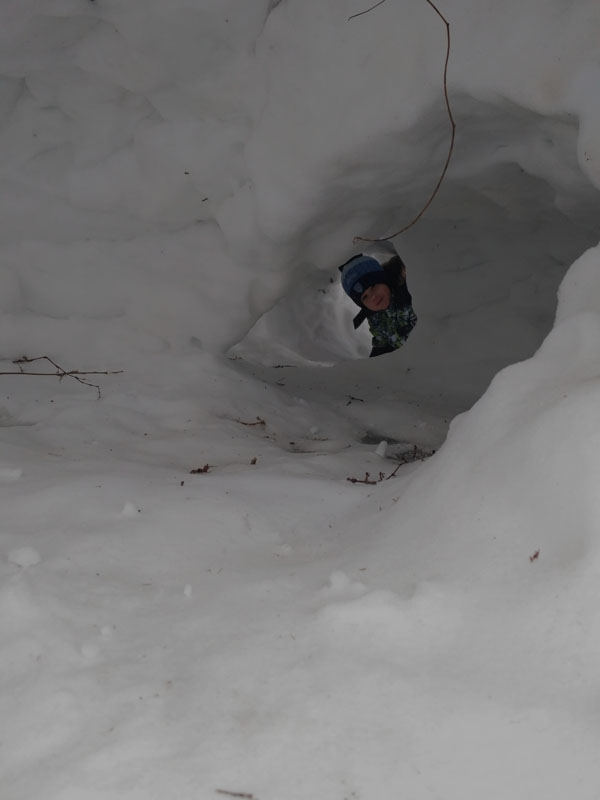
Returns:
<point x="392" y="327"/>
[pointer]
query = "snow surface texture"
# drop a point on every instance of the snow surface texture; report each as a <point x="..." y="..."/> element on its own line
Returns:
<point x="194" y="598"/>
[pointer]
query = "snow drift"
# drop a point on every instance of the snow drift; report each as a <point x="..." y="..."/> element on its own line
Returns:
<point x="193" y="596"/>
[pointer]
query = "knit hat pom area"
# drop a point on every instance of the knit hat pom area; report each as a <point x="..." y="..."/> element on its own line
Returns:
<point x="359" y="274"/>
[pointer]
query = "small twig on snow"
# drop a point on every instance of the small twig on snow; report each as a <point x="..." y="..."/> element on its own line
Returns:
<point x="60" y="372"/>
<point x="201" y="470"/>
<point x="416" y="454"/>
<point x="259" y="421"/>
<point x="406" y="458"/>
<point x="245" y="795"/>
<point x="393" y="474"/>
<point x="366" y="479"/>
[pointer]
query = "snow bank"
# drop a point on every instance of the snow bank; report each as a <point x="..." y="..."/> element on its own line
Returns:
<point x="505" y="518"/>
<point x="538" y="416"/>
<point x="193" y="595"/>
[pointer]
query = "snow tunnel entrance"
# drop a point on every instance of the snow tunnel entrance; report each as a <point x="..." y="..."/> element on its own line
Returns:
<point x="484" y="266"/>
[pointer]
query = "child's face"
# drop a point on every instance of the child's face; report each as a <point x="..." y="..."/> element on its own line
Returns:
<point x="376" y="298"/>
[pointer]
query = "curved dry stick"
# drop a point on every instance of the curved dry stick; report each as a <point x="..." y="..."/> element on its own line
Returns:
<point x="360" y="13"/>
<point x="452" y="137"/>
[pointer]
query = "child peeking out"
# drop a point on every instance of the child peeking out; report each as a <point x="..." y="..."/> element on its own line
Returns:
<point x="377" y="284"/>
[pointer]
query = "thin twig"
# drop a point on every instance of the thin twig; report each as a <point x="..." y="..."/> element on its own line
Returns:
<point x="351" y="398"/>
<point x="360" y="13"/>
<point x="366" y="479"/>
<point x="416" y="454"/>
<point x="393" y="474"/>
<point x="452" y="136"/>
<point x="60" y="372"/>
<point x="235" y="794"/>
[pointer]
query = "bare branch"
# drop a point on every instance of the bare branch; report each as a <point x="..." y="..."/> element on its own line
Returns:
<point x="416" y="454"/>
<point x="366" y="479"/>
<point x="60" y="372"/>
<point x="360" y="13"/>
<point x="393" y="474"/>
<point x="259" y="421"/>
<point x="452" y="135"/>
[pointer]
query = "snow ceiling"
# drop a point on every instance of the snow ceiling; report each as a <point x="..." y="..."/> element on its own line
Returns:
<point x="223" y="155"/>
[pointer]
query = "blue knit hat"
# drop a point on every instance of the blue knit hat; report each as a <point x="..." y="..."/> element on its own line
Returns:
<point x="358" y="274"/>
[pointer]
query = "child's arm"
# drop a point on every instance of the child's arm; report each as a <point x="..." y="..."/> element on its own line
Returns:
<point x="381" y="351"/>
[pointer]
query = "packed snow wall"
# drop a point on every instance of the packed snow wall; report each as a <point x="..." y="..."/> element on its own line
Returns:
<point x="172" y="172"/>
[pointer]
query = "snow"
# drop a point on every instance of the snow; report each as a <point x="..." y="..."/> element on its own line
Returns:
<point x="24" y="556"/>
<point x="240" y="558"/>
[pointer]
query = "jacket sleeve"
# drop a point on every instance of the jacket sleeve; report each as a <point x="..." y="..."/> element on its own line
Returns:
<point x="389" y="330"/>
<point x="381" y="350"/>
